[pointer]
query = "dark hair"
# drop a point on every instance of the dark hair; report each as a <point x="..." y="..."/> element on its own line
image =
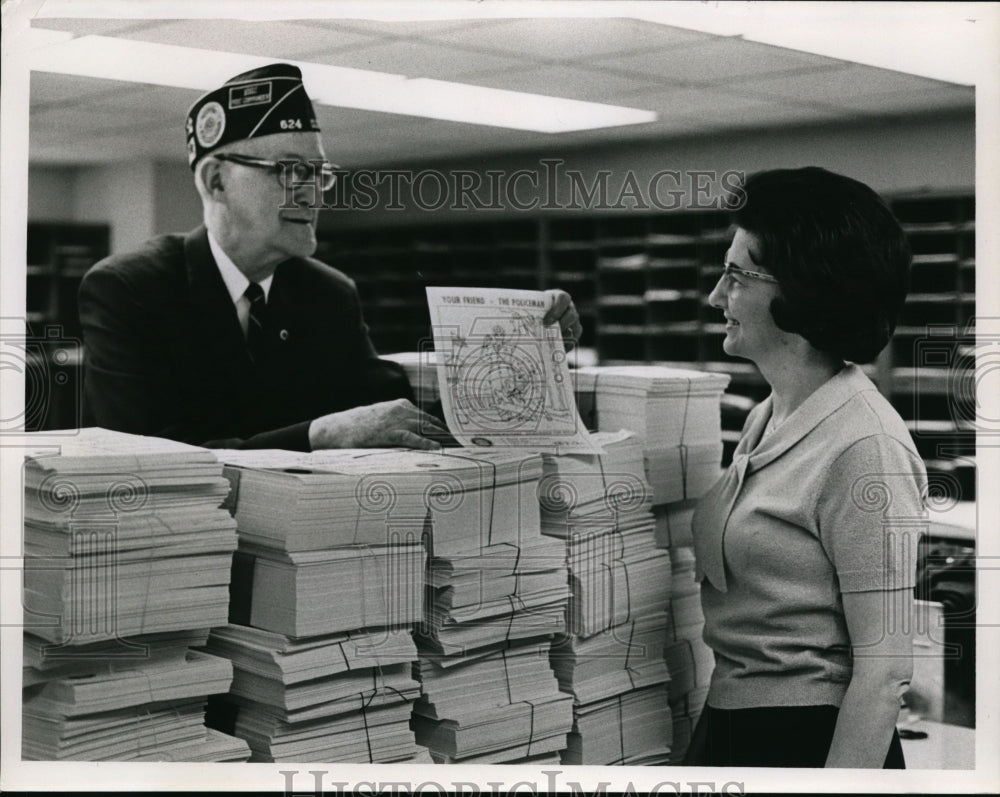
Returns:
<point x="841" y="259"/>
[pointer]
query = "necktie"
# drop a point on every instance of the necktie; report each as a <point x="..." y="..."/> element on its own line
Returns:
<point x="255" y="323"/>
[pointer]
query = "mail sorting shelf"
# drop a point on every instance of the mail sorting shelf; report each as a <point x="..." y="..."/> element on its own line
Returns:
<point x="58" y="255"/>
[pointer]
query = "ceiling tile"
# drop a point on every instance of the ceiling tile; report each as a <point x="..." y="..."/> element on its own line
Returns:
<point x="700" y="109"/>
<point x="85" y="119"/>
<point x="152" y="143"/>
<point x="94" y="27"/>
<point x="722" y="60"/>
<point x="945" y="98"/>
<point x="166" y="101"/>
<point x="48" y="88"/>
<point x="549" y="40"/>
<point x="770" y="115"/>
<point x="845" y="84"/>
<point x="699" y="85"/>
<point x="456" y="131"/>
<point x="698" y="102"/>
<point x="340" y="120"/>
<point x="415" y="58"/>
<point x="401" y="29"/>
<point x="264" y="38"/>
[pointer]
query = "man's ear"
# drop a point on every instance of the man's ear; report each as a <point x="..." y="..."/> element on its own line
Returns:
<point x="212" y="177"/>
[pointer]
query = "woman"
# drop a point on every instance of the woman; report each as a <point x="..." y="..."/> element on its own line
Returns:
<point x="806" y="547"/>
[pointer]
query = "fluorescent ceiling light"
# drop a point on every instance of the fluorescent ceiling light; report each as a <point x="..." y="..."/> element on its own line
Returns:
<point x="187" y="67"/>
<point x="461" y="102"/>
<point x="180" y="67"/>
<point x="37" y="39"/>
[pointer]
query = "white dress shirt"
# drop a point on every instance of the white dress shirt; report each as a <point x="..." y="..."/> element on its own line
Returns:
<point x="236" y="282"/>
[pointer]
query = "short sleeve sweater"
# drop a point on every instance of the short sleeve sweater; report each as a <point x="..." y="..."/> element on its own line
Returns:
<point x="829" y="502"/>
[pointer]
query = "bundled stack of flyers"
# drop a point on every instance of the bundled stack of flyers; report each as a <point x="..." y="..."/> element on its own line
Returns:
<point x="336" y="697"/>
<point x="497" y="704"/>
<point x="139" y="709"/>
<point x="611" y="659"/>
<point x="328" y="582"/>
<point x="495" y="598"/>
<point x="127" y="565"/>
<point x="675" y="414"/>
<point x="123" y="535"/>
<point x="688" y="658"/>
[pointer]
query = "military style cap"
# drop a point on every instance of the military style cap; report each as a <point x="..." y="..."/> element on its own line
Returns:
<point x="270" y="99"/>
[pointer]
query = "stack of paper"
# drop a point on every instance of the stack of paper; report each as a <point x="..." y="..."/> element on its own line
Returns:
<point x="675" y="414"/>
<point x="339" y="697"/>
<point x="153" y="710"/>
<point x="623" y="658"/>
<point x="482" y="498"/>
<point x="516" y="711"/>
<point x="589" y="493"/>
<point x="498" y="594"/>
<point x="685" y="713"/>
<point x="689" y="660"/>
<point x="123" y="535"/>
<point x="373" y="729"/>
<point x="496" y="571"/>
<point x="293" y="593"/>
<point x="291" y="501"/>
<point x="616" y="576"/>
<point x="494" y="600"/>
<point x="330" y="528"/>
<point x="327" y="584"/>
<point x="127" y="564"/>
<point x="44" y="661"/>
<point x="673" y="523"/>
<point x="295" y="502"/>
<point x="612" y="657"/>
<point x="316" y="675"/>
<point x="633" y="728"/>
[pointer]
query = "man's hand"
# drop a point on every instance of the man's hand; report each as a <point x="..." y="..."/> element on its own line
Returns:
<point x="564" y="311"/>
<point x="386" y="424"/>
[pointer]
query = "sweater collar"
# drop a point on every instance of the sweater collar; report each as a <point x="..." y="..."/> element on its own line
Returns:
<point x="821" y="404"/>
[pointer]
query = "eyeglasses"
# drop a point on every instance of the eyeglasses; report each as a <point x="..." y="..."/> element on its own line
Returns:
<point x="730" y="270"/>
<point x="299" y="170"/>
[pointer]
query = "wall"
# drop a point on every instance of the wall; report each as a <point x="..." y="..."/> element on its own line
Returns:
<point x="138" y="200"/>
<point x="120" y="195"/>
<point x="176" y="204"/>
<point x="916" y="155"/>
<point x="51" y="193"/>
<point x="926" y="154"/>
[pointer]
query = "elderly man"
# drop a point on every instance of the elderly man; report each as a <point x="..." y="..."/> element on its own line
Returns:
<point x="233" y="335"/>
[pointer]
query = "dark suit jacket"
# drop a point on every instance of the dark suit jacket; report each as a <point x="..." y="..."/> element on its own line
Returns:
<point x="164" y="353"/>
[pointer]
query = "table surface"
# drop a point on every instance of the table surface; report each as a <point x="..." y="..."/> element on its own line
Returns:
<point x="957" y="521"/>
<point x="946" y="746"/>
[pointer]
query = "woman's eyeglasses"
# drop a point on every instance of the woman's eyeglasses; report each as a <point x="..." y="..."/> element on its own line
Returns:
<point x="729" y="270"/>
<point x="290" y="173"/>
